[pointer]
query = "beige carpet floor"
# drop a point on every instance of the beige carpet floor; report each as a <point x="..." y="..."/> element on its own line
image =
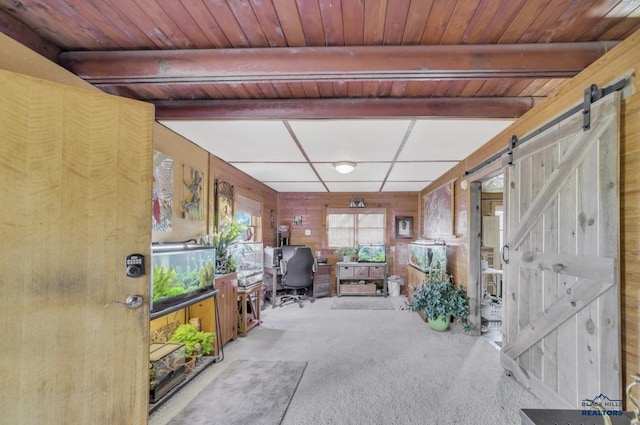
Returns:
<point x="374" y="367"/>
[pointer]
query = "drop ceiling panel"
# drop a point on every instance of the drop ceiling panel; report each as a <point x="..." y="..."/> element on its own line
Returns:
<point x="296" y="186"/>
<point x="268" y="152"/>
<point x="350" y="140"/>
<point x="354" y="186"/>
<point x="419" y="171"/>
<point x="272" y="172"/>
<point x="449" y="139"/>
<point x="364" y="171"/>
<point x="241" y="140"/>
<point x="405" y="186"/>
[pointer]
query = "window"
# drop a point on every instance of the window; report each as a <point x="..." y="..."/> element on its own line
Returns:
<point x="348" y="227"/>
<point x="249" y="214"/>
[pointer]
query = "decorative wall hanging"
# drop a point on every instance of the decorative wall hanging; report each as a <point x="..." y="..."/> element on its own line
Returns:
<point x="404" y="227"/>
<point x="438" y="212"/>
<point x="224" y="203"/>
<point x="162" y="198"/>
<point x="191" y="193"/>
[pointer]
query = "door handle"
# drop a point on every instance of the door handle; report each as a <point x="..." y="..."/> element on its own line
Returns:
<point x="505" y="250"/>
<point x="132" y="301"/>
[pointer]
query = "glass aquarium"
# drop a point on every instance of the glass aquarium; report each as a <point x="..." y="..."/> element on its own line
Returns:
<point x="248" y="257"/>
<point x="428" y="256"/>
<point x="372" y="253"/>
<point x="166" y="368"/>
<point x="180" y="272"/>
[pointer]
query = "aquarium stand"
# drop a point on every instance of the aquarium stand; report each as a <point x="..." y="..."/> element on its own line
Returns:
<point x="203" y="361"/>
<point x="361" y="279"/>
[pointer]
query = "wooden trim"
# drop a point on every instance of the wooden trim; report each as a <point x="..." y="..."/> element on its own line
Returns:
<point x="586" y="267"/>
<point x="549" y="399"/>
<point x="553" y="316"/>
<point x="568" y="164"/>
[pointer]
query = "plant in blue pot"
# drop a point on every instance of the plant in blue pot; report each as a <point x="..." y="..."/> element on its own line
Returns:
<point x="440" y="300"/>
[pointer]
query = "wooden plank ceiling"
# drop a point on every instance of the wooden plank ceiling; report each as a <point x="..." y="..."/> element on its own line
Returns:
<point x="338" y="53"/>
<point x="203" y="60"/>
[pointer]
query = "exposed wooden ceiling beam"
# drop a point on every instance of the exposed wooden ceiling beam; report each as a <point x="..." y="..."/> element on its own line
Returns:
<point x="25" y="35"/>
<point x="359" y="63"/>
<point x="475" y="107"/>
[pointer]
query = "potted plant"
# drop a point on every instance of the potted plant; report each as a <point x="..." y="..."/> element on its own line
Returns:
<point x="440" y="300"/>
<point x="346" y="253"/>
<point x="228" y="235"/>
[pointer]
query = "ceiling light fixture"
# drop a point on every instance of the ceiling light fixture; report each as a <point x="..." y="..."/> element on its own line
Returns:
<point x="344" y="167"/>
<point x="356" y="203"/>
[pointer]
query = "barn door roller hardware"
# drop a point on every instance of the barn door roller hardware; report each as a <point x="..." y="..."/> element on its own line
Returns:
<point x="513" y="142"/>
<point x="591" y="95"/>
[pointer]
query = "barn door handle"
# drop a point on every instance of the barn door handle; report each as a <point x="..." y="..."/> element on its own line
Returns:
<point x="505" y="250"/>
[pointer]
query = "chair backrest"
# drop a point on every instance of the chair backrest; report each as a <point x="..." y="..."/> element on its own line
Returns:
<point x="297" y="272"/>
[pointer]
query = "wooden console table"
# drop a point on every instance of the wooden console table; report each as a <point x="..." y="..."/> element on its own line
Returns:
<point x="361" y="279"/>
<point x="249" y="299"/>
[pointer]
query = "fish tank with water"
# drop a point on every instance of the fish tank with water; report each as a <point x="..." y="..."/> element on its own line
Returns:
<point x="428" y="257"/>
<point x="372" y="253"/>
<point x="179" y="272"/>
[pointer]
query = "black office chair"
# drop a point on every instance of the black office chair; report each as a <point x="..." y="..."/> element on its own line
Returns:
<point x="297" y="275"/>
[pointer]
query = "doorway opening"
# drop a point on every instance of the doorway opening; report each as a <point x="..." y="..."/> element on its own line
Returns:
<point x="492" y="239"/>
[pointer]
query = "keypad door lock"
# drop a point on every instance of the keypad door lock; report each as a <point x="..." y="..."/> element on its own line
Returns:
<point x="134" y="265"/>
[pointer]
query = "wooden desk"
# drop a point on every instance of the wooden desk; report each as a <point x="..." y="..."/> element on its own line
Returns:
<point x="322" y="281"/>
<point x="249" y="308"/>
<point x="270" y="280"/>
<point x="321" y="286"/>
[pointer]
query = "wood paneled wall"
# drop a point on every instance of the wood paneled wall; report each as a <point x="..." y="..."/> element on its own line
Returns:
<point x="312" y="207"/>
<point x="247" y="186"/>
<point x="186" y="153"/>
<point x="619" y="62"/>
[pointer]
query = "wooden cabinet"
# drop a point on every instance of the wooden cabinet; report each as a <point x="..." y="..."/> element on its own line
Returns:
<point x="361" y="279"/>
<point x="322" y="281"/>
<point x="227" y="286"/>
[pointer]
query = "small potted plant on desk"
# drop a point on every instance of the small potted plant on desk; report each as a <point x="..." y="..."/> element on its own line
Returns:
<point x="346" y="253"/>
<point x="440" y="300"/>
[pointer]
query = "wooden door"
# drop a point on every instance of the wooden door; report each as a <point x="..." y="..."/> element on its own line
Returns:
<point x="561" y="330"/>
<point x="75" y="171"/>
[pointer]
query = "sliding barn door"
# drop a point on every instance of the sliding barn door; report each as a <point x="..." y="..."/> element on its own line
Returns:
<point x="561" y="332"/>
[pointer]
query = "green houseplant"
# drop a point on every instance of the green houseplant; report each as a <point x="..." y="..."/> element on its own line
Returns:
<point x="346" y="253"/>
<point x="195" y="342"/>
<point x="227" y="235"/>
<point x="439" y="299"/>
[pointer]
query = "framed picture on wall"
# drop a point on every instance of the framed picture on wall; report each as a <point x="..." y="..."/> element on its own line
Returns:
<point x="438" y="212"/>
<point x="404" y="227"/>
<point x="224" y="203"/>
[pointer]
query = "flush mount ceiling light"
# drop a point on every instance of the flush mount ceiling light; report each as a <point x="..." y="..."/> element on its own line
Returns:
<point x="344" y="167"/>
